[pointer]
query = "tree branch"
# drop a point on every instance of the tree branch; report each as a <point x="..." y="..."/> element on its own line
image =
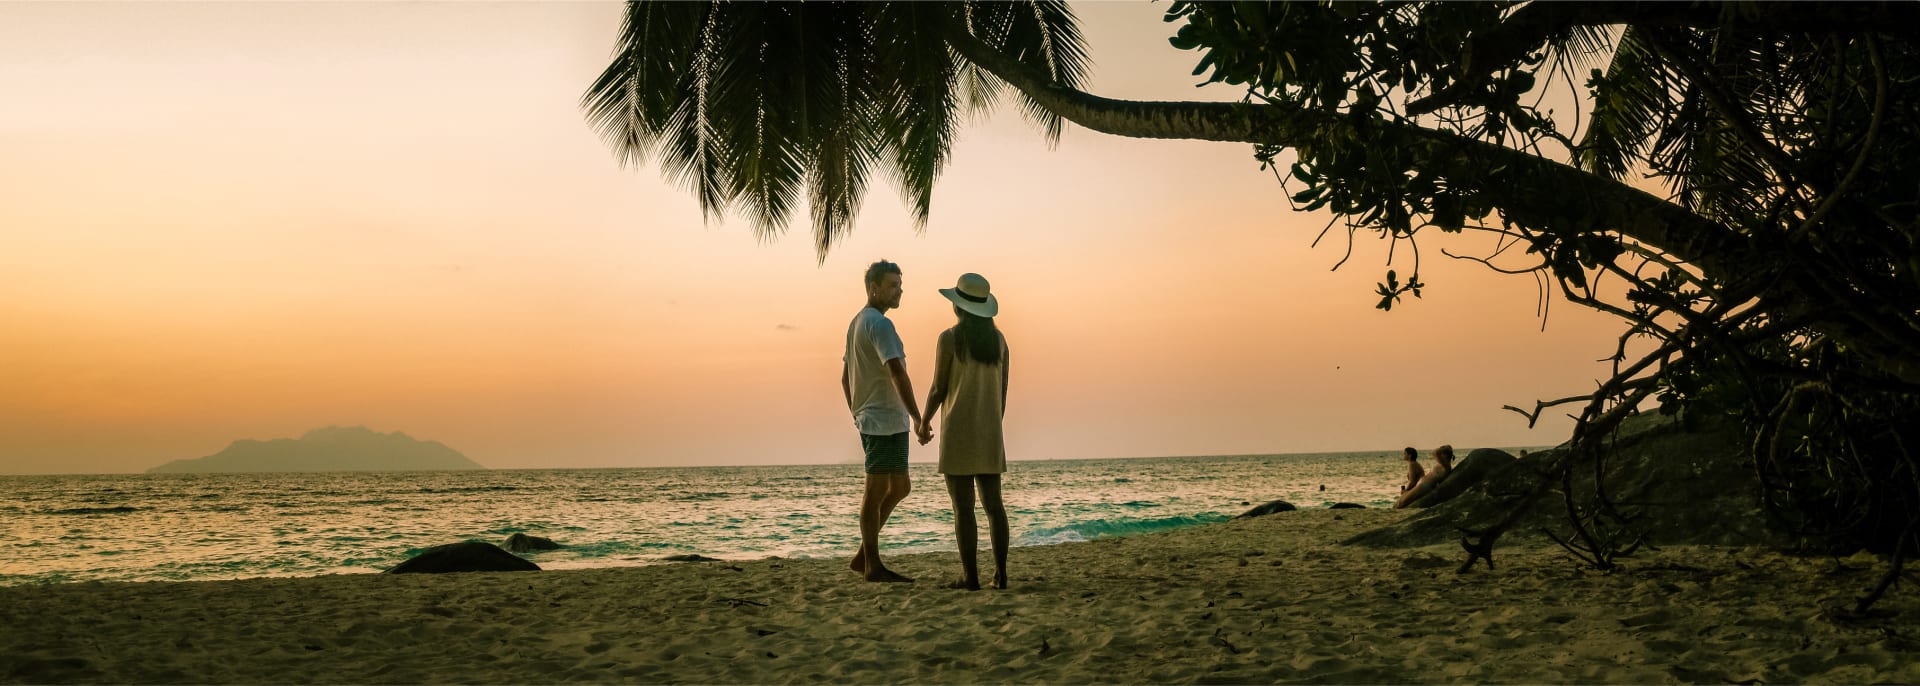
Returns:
<point x="1540" y="406"/>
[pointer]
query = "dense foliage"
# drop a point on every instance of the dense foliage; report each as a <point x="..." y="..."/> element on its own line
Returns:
<point x="1788" y="133"/>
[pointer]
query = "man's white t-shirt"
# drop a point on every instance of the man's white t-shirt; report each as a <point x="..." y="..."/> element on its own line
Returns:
<point x="871" y="341"/>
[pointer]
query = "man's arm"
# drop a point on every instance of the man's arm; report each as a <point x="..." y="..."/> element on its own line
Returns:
<point x="846" y="385"/>
<point x="897" y="370"/>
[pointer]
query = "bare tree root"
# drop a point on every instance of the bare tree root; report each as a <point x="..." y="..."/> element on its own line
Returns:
<point x="1887" y="580"/>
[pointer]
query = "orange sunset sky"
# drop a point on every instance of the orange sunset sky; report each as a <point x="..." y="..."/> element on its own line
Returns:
<point x="248" y="220"/>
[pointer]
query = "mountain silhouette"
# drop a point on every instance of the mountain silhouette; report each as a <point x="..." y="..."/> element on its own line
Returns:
<point x="332" y="449"/>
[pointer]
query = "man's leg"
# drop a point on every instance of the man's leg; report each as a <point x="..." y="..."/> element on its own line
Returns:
<point x="965" y="531"/>
<point x="886" y="460"/>
<point x="871" y="520"/>
<point x="891" y="489"/>
<point x="898" y="486"/>
<point x="876" y="491"/>
<point x="996" y="525"/>
<point x="884" y="455"/>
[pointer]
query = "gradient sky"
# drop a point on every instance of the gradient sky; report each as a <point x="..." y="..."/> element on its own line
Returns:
<point x="247" y="220"/>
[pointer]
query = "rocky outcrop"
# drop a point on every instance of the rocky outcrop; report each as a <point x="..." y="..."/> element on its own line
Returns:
<point x="1682" y="485"/>
<point x="1267" y="509"/>
<point x="1346" y="506"/>
<point x="521" y="543"/>
<point x="466" y="556"/>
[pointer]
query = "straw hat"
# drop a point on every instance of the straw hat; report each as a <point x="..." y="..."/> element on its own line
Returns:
<point x="972" y="294"/>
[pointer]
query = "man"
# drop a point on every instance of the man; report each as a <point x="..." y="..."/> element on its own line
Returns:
<point x="873" y="375"/>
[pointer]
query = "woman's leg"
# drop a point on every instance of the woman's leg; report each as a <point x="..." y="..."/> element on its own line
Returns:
<point x="960" y="491"/>
<point x="1413" y="494"/>
<point x="996" y="525"/>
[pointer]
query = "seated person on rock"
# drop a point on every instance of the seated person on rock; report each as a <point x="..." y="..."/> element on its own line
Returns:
<point x="1443" y="465"/>
<point x="1414" y="472"/>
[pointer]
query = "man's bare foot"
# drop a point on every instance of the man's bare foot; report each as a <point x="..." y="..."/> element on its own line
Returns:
<point x="859" y="563"/>
<point x="884" y="575"/>
<point x="999" y="580"/>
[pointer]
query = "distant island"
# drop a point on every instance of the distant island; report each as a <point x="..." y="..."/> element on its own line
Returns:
<point x="332" y="449"/>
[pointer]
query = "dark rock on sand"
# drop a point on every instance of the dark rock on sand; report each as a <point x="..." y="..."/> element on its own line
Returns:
<point x="1478" y="465"/>
<point x="122" y="509"/>
<point x="1268" y="508"/>
<point x="521" y="543"/>
<point x="466" y="556"/>
<point x="690" y="558"/>
<point x="1346" y="506"/>
<point x="1686" y="485"/>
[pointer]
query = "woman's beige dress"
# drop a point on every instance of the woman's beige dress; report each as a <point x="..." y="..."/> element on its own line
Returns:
<point x="971" y="441"/>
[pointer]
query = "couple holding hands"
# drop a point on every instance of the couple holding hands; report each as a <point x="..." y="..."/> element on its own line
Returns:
<point x="970" y="394"/>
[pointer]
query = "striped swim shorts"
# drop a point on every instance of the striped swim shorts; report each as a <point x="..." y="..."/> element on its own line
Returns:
<point x="885" y="454"/>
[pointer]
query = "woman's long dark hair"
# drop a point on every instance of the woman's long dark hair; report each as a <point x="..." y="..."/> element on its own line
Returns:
<point x="976" y="337"/>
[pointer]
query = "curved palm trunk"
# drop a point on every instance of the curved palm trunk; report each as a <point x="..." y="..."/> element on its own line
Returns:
<point x="1538" y="186"/>
<point x="1528" y="189"/>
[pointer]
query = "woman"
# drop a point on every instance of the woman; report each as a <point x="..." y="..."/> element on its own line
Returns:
<point x="1442" y="466"/>
<point x="1414" y="472"/>
<point x="970" y="396"/>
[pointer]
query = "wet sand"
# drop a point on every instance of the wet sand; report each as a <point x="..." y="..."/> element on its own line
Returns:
<point x="1271" y="599"/>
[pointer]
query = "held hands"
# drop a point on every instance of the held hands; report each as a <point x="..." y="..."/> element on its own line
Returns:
<point x="924" y="430"/>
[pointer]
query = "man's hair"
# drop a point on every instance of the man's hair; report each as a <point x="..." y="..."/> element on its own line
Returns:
<point x="879" y="270"/>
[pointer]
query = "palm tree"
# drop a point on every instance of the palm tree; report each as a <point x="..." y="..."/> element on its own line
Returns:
<point x="750" y="102"/>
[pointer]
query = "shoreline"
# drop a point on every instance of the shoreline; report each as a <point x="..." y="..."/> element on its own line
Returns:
<point x="1268" y="599"/>
<point x="226" y="528"/>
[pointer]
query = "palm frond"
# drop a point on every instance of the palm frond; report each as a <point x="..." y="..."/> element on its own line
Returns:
<point x="924" y="73"/>
<point x="981" y="87"/>
<point x="1043" y="34"/>
<point x="635" y="96"/>
<point x="760" y="104"/>
<point x="1712" y="148"/>
<point x="843" y="111"/>
<point x="1586" y="47"/>
<point x="1628" y="100"/>
<point x="766" y="155"/>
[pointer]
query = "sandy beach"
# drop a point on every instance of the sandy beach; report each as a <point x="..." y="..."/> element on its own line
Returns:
<point x="1271" y="599"/>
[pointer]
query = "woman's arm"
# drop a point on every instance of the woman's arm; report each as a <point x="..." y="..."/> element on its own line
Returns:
<point x="937" y="394"/>
<point x="1006" y="360"/>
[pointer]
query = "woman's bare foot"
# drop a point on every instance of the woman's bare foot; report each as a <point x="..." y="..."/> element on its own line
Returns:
<point x="859" y="563"/>
<point x="999" y="580"/>
<point x="968" y="584"/>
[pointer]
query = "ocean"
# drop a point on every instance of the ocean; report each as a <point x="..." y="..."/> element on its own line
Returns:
<point x="175" y="527"/>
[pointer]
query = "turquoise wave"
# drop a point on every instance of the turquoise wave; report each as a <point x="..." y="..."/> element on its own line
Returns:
<point x="1091" y="529"/>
